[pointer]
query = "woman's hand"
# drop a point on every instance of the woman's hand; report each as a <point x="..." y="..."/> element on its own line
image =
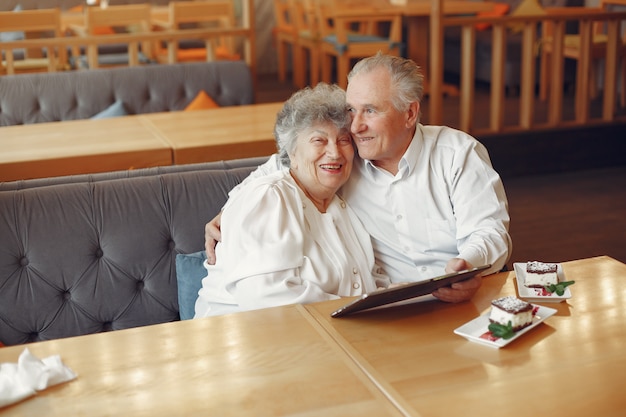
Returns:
<point x="212" y="235"/>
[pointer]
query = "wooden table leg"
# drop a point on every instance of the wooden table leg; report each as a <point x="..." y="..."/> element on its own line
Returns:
<point x="418" y="33"/>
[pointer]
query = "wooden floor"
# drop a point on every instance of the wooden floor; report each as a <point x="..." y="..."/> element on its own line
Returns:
<point x="554" y="217"/>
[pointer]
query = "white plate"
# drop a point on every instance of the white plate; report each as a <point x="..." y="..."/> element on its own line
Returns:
<point x="474" y="329"/>
<point x="534" y="295"/>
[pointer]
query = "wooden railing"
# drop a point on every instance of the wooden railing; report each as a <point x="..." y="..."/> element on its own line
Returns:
<point x="528" y="94"/>
<point x="75" y="42"/>
<point x="243" y="34"/>
<point x="527" y="101"/>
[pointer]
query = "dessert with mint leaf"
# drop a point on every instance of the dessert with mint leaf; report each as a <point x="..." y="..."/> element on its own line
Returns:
<point x="511" y="313"/>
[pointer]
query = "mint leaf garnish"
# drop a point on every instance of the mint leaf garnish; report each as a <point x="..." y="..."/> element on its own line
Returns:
<point x="500" y="330"/>
<point x="559" y="288"/>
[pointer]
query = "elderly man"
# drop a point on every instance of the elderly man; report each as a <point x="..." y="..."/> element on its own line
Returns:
<point x="427" y="195"/>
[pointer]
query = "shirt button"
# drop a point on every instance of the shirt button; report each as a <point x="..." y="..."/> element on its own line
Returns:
<point x="343" y="204"/>
<point x="399" y="217"/>
<point x="424" y="268"/>
<point x="355" y="271"/>
<point x="356" y="285"/>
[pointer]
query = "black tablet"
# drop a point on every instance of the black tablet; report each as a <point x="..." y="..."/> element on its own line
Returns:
<point x="405" y="292"/>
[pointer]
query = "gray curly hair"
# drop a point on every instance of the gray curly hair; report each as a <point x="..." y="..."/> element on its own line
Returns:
<point x="305" y="108"/>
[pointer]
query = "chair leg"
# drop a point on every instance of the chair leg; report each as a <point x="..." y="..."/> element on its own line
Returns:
<point x="281" y="52"/>
<point x="622" y="96"/>
<point x="593" y="81"/>
<point x="343" y="65"/>
<point x="543" y="76"/>
<point x="314" y="57"/>
<point x="299" y="67"/>
<point x="326" y="62"/>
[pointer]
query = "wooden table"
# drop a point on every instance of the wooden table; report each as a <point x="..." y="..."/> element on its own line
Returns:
<point x="136" y="141"/>
<point x="296" y="360"/>
<point x="571" y="365"/>
<point x="216" y="134"/>
<point x="274" y="362"/>
<point x="80" y="146"/>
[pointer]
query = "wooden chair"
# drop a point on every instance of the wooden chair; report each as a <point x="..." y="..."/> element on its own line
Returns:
<point x="44" y="23"/>
<point x="285" y="37"/>
<point x="114" y="20"/>
<point x="572" y="49"/>
<point x="307" y="48"/>
<point x="354" y="30"/>
<point x="194" y="14"/>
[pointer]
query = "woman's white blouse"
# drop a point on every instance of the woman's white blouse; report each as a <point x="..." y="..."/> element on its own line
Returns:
<point x="278" y="249"/>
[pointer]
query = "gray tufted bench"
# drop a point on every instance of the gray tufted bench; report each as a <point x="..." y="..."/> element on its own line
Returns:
<point x="91" y="253"/>
<point x="70" y="95"/>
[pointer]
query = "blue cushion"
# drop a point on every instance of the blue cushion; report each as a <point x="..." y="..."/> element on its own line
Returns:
<point x="356" y="38"/>
<point x="189" y="273"/>
<point x="114" y="110"/>
<point x="11" y="36"/>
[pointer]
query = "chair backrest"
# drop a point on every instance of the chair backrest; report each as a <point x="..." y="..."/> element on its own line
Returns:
<point x="304" y="18"/>
<point x="33" y="24"/>
<point x="340" y="18"/>
<point x="132" y="15"/>
<point x="206" y="13"/>
<point x="218" y="12"/>
<point x="133" y="18"/>
<point x="612" y="6"/>
<point x="31" y="21"/>
<point x="283" y="16"/>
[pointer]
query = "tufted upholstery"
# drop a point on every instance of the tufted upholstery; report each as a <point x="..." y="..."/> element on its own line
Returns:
<point x="48" y="97"/>
<point x="91" y="253"/>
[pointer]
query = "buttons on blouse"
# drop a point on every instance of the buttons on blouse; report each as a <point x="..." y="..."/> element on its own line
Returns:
<point x="356" y="285"/>
<point x="343" y="204"/>
<point x="424" y="268"/>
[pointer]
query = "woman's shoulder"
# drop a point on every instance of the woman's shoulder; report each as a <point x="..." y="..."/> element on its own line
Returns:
<point x="281" y="180"/>
<point x="278" y="186"/>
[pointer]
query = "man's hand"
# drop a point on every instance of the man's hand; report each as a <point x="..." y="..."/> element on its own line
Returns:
<point x="459" y="291"/>
<point x="212" y="235"/>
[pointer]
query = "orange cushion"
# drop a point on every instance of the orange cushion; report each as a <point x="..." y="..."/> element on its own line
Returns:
<point x="103" y="30"/>
<point x="499" y="9"/>
<point x="192" y="54"/>
<point x="223" y="52"/>
<point x="202" y="102"/>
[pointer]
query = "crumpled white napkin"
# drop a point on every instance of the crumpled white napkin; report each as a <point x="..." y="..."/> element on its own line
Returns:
<point x="30" y="374"/>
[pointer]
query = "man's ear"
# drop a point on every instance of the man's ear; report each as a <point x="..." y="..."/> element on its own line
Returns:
<point x="413" y="114"/>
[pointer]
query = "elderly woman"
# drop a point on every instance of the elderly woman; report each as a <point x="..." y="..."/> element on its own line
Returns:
<point x="287" y="237"/>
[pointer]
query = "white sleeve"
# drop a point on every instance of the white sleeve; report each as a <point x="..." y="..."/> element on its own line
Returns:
<point x="481" y="209"/>
<point x="263" y="249"/>
<point x="273" y="164"/>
